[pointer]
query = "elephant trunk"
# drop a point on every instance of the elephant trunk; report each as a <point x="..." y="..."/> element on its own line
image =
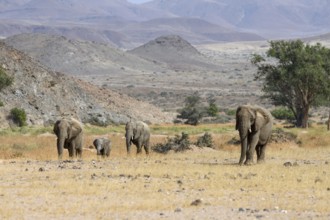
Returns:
<point x="128" y="142"/>
<point x="98" y="149"/>
<point x="243" y="129"/>
<point x="60" y="146"/>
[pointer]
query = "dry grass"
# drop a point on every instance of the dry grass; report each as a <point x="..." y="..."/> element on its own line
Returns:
<point x="34" y="185"/>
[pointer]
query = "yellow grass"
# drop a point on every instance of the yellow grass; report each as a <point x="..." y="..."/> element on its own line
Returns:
<point x="34" y="185"/>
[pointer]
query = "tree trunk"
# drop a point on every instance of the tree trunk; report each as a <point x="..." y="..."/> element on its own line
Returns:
<point x="328" y="124"/>
<point x="304" y="122"/>
<point x="302" y="117"/>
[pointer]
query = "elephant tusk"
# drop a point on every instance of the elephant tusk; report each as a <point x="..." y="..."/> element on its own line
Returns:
<point x="250" y="130"/>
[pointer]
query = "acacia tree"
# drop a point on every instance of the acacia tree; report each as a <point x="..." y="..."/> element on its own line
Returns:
<point x="295" y="75"/>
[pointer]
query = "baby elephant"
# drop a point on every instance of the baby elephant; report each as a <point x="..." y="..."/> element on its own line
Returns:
<point x="103" y="146"/>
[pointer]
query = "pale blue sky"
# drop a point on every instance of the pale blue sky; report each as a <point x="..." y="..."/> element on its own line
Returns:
<point x="138" y="1"/>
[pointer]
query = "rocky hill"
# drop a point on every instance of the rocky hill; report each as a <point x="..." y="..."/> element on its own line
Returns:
<point x="47" y="95"/>
<point x="176" y="52"/>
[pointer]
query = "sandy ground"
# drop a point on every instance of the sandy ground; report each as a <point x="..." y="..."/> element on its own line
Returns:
<point x="201" y="184"/>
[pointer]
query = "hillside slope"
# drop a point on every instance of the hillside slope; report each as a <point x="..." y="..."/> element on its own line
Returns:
<point x="46" y="95"/>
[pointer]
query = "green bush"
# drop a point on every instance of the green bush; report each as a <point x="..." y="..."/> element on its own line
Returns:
<point x="205" y="140"/>
<point x="231" y="112"/>
<point x="283" y="113"/>
<point x="19" y="116"/>
<point x="5" y="80"/>
<point x="212" y="110"/>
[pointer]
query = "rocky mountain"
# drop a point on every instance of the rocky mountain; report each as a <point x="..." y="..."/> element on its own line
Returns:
<point x="129" y="25"/>
<point x="118" y="22"/>
<point x="270" y="19"/>
<point x="47" y="95"/>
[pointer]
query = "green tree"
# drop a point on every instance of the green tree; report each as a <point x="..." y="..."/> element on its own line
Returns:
<point x="192" y="111"/>
<point x="212" y="109"/>
<point x="295" y="75"/>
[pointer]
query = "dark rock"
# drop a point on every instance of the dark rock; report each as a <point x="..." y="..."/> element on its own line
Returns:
<point x="197" y="202"/>
<point x="178" y="210"/>
<point x="287" y="164"/>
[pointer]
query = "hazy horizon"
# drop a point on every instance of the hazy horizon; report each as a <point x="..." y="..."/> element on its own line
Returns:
<point x="138" y="1"/>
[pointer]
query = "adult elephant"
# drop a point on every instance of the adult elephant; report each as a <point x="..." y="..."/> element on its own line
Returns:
<point x="254" y="124"/>
<point x="102" y="146"/>
<point x="137" y="133"/>
<point x="69" y="134"/>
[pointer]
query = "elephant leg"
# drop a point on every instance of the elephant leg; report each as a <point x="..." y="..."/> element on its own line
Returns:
<point x="253" y="143"/>
<point x="108" y="153"/>
<point x="243" y="151"/>
<point x="71" y="152"/>
<point x="139" y="149"/>
<point x="258" y="150"/>
<point x="261" y="156"/>
<point x="79" y="153"/>
<point x="146" y="147"/>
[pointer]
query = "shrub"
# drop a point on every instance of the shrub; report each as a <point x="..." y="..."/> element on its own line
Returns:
<point x="5" y="80"/>
<point x="177" y="144"/>
<point x="18" y="116"/>
<point x="231" y="112"/>
<point x="283" y="113"/>
<point x="205" y="140"/>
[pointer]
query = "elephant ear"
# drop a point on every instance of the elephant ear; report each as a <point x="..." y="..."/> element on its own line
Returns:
<point x="55" y="129"/>
<point x="261" y="118"/>
<point x="237" y="119"/>
<point x="74" y="129"/>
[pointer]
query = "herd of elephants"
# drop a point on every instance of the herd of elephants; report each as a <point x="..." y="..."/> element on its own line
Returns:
<point x="254" y="124"/>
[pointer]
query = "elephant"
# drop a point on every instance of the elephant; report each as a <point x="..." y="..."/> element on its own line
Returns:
<point x="69" y="134"/>
<point x="137" y="133"/>
<point x="254" y="124"/>
<point x="102" y="146"/>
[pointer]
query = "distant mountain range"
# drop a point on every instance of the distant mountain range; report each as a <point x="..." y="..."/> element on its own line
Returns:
<point x="129" y="25"/>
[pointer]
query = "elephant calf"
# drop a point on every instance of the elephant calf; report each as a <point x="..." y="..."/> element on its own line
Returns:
<point x="102" y="146"/>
